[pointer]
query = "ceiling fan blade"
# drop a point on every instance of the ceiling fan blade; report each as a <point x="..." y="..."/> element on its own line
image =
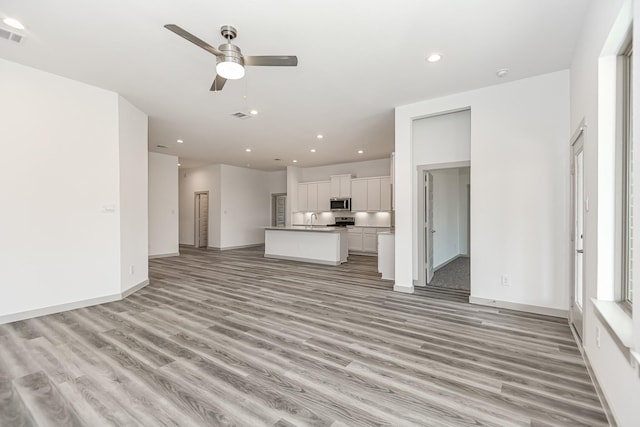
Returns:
<point x="218" y="84"/>
<point x="193" y="39"/>
<point x="276" y="61"/>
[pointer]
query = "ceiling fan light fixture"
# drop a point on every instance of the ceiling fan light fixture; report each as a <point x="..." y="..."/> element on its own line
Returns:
<point x="230" y="69"/>
<point x="13" y="23"/>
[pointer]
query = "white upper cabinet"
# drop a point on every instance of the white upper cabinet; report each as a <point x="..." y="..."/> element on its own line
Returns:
<point x="341" y="185"/>
<point x="324" y="196"/>
<point x="371" y="194"/>
<point x="314" y="196"/>
<point x="359" y="195"/>
<point x="385" y="194"/>
<point x="302" y="197"/>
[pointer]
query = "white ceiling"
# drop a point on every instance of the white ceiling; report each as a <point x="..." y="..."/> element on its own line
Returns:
<point x="358" y="59"/>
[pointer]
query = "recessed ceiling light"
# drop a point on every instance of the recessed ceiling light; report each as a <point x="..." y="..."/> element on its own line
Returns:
<point x="295" y="161"/>
<point x="179" y="165"/>
<point x="14" y="23"/>
<point x="248" y="150"/>
<point x="313" y="150"/>
<point x="360" y="151"/>
<point x="434" y="57"/>
<point x="253" y="112"/>
<point x="320" y="136"/>
<point x="502" y="72"/>
<point x="179" y="141"/>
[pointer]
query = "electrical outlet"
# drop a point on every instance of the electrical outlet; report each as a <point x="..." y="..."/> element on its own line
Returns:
<point x="598" y="336"/>
<point x="505" y="280"/>
<point x="131" y="269"/>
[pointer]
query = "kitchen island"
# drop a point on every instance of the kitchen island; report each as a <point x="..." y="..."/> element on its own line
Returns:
<point x="315" y="244"/>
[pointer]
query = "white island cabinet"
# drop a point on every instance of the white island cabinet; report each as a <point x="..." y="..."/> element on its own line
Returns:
<point x="320" y="244"/>
<point x="386" y="254"/>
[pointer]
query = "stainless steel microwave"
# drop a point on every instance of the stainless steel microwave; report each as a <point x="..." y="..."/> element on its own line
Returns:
<point x="340" y="204"/>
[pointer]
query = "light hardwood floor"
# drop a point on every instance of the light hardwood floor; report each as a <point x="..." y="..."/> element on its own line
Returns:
<point x="232" y="338"/>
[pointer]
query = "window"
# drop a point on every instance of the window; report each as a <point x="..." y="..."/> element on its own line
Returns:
<point x="626" y="58"/>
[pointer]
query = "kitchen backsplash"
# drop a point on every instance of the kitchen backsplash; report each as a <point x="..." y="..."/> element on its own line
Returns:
<point x="373" y="219"/>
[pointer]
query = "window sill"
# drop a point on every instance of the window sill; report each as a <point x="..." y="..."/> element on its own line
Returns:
<point x="619" y="325"/>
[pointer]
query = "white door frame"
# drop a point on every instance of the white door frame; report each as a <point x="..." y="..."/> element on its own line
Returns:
<point x="421" y="169"/>
<point x="576" y="314"/>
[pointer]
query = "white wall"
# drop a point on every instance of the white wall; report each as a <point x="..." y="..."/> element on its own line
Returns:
<point x="134" y="188"/>
<point x="163" y="205"/>
<point x="246" y="206"/>
<point x="294" y="175"/>
<point x="619" y="381"/>
<point x="239" y="203"/>
<point x="59" y="180"/>
<point x="519" y="188"/>
<point x="206" y="178"/>
<point x="364" y="169"/>
<point x="441" y="138"/>
<point x="446" y="215"/>
<point x="278" y="185"/>
<point x="277" y="182"/>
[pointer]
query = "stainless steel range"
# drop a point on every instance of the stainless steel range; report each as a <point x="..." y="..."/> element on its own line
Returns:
<point x="343" y="221"/>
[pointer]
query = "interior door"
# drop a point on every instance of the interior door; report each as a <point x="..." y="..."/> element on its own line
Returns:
<point x="202" y="220"/>
<point x="428" y="225"/>
<point x="578" y="208"/>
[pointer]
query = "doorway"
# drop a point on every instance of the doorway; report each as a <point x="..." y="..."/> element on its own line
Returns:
<point x="278" y="209"/>
<point x="201" y="238"/>
<point x="577" y="237"/>
<point x="444" y="226"/>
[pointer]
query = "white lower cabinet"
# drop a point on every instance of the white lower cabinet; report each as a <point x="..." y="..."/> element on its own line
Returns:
<point x="364" y="239"/>
<point x="370" y="240"/>
<point x="386" y="255"/>
<point x="355" y="241"/>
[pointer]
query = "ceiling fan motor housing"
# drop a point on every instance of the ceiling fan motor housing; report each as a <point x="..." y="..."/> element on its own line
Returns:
<point x="231" y="53"/>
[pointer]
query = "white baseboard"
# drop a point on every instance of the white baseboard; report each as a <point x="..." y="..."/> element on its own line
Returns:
<point x="363" y="253"/>
<point x="450" y="260"/>
<point x="547" y="311"/>
<point x="309" y="260"/>
<point x="58" y="308"/>
<point x="38" y="312"/>
<point x="164" y="255"/>
<point x="406" y="289"/>
<point x="133" y="289"/>
<point x="229" y="248"/>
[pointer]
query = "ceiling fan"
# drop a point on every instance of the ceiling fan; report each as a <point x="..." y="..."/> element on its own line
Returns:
<point x="230" y="60"/>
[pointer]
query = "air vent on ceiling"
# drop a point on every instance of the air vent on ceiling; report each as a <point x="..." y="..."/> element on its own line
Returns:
<point x="8" y="35"/>
<point x="161" y="146"/>
<point x="241" y="115"/>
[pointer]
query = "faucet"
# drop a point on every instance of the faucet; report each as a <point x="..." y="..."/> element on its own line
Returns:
<point x="313" y="215"/>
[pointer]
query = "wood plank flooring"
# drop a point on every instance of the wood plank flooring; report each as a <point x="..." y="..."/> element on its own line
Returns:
<point x="234" y="339"/>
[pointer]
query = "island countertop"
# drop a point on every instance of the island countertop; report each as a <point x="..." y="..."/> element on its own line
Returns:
<point x="314" y="228"/>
